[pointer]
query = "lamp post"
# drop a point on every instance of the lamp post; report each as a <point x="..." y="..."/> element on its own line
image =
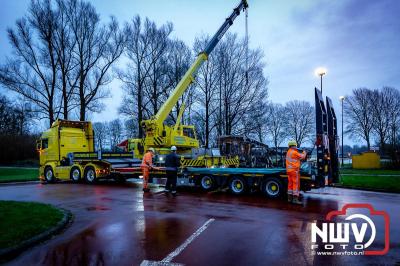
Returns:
<point x="342" y="100"/>
<point x="320" y="72"/>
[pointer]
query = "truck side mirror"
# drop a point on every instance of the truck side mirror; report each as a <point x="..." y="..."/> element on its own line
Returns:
<point x="38" y="145"/>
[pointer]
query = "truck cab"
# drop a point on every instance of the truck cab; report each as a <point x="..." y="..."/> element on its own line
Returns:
<point x="57" y="146"/>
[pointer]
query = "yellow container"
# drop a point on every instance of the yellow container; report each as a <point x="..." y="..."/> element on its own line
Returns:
<point x="366" y="160"/>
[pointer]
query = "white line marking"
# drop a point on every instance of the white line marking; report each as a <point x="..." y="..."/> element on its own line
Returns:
<point x="159" y="263"/>
<point x="179" y="249"/>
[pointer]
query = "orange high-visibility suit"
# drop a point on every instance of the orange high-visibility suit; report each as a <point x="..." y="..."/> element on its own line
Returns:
<point x="293" y="158"/>
<point x="147" y="163"/>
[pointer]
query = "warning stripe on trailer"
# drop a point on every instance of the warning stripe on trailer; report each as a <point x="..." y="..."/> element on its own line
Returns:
<point x="231" y="161"/>
<point x="192" y="162"/>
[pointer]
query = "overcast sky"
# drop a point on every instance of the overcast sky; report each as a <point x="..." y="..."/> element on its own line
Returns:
<point x="358" y="41"/>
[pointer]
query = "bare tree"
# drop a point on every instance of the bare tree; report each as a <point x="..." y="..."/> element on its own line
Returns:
<point x="115" y="133"/>
<point x="382" y="107"/>
<point x="100" y="134"/>
<point x="206" y="84"/>
<point x="64" y="45"/>
<point x="359" y="114"/>
<point x="394" y="114"/>
<point x="14" y="118"/>
<point x="254" y="122"/>
<point x="144" y="48"/>
<point x="299" y="121"/>
<point x="276" y="124"/>
<point x="62" y="54"/>
<point x="97" y="48"/>
<point x="32" y="72"/>
<point x="179" y="59"/>
<point x="240" y="87"/>
<point x="130" y="127"/>
<point x="158" y="82"/>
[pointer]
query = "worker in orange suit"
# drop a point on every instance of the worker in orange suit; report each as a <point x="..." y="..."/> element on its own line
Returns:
<point x="147" y="164"/>
<point x="293" y="161"/>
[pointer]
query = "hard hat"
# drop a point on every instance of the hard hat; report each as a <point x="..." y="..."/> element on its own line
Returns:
<point x="151" y="149"/>
<point x="173" y="148"/>
<point x="292" y="143"/>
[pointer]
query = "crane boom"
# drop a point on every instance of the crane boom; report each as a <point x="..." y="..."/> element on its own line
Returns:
<point x="161" y="136"/>
<point x="188" y="78"/>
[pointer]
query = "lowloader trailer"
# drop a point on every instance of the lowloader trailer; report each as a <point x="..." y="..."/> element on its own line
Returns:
<point x="271" y="181"/>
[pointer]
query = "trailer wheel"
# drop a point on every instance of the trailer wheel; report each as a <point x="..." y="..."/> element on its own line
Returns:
<point x="207" y="183"/>
<point x="75" y="174"/>
<point x="237" y="185"/>
<point x="49" y="174"/>
<point x="273" y="187"/>
<point x="90" y="175"/>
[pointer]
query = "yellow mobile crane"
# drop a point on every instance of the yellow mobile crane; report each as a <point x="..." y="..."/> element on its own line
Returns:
<point x="66" y="149"/>
<point x="161" y="136"/>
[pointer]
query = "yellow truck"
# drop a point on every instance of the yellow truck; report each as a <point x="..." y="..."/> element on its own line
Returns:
<point x="66" y="152"/>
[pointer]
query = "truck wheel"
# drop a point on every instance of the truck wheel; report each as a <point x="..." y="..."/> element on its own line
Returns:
<point x="273" y="187"/>
<point x="90" y="175"/>
<point x="75" y="174"/>
<point x="49" y="174"/>
<point x="237" y="185"/>
<point x="207" y="183"/>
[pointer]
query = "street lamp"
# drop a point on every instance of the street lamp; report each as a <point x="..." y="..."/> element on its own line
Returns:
<point x="342" y="100"/>
<point x="320" y="72"/>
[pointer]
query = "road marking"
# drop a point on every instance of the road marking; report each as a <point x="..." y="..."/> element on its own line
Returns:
<point x="167" y="260"/>
<point x="179" y="249"/>
<point x="159" y="263"/>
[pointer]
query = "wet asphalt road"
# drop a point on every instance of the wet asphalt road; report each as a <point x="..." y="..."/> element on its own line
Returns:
<point x="118" y="225"/>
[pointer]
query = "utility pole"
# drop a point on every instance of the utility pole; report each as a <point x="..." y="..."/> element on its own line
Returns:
<point x="342" y="100"/>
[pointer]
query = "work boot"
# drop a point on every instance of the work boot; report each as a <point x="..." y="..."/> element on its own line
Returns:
<point x="289" y="198"/>
<point x="296" y="200"/>
<point x="146" y="189"/>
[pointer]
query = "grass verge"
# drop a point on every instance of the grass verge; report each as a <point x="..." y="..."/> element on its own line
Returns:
<point x="372" y="182"/>
<point x="370" y="172"/>
<point x="20" y="221"/>
<point x="18" y="174"/>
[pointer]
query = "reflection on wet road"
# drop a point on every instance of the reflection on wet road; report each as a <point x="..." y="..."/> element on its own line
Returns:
<point x="118" y="225"/>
